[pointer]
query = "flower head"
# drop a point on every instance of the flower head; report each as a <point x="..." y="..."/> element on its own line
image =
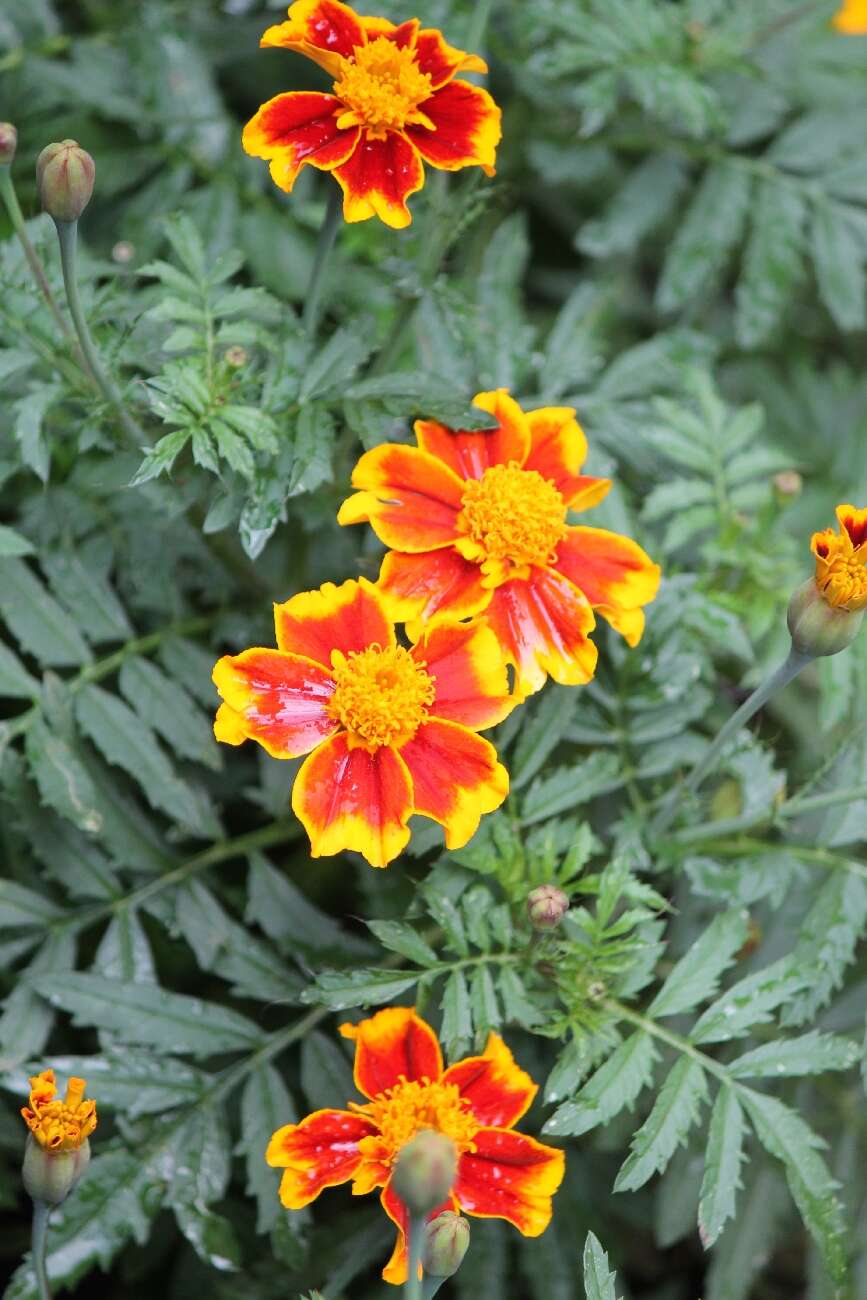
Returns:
<point x="59" y="1125"/>
<point x="475" y="1102"/>
<point x="389" y="730"/>
<point x="851" y="18"/>
<point x="65" y="175"/>
<point x="478" y="526"/>
<point x="841" y="560"/>
<point x="396" y="105"/>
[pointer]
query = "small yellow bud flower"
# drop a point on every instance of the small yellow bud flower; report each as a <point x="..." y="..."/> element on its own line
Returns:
<point x="58" y="1150"/>
<point x="8" y="143"/>
<point x="65" y="174"/>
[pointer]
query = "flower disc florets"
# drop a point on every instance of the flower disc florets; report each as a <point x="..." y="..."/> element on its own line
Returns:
<point x="381" y="695"/>
<point x="412" y="1107"/>
<point x="59" y="1125"/>
<point x="513" y="515"/>
<point x="841" y="561"/>
<point x="382" y="87"/>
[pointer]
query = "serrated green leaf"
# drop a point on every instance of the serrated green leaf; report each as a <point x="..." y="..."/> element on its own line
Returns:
<point x="166" y="706"/>
<point x="20" y="906"/>
<point x="752" y="1001"/>
<point x="457" y="1027"/>
<point x="674" y="1113"/>
<point x="291" y="920"/>
<point x="696" y="975"/>
<point x="615" y="1085"/>
<point x="811" y="1053"/>
<point x="265" y="1106"/>
<point x="15" y="681"/>
<point x="399" y="937"/>
<point x="86" y="594"/>
<point x="63" y="781"/>
<point x="838" y="249"/>
<point x="722" y="1166"/>
<point x="341" y="990"/>
<point x="599" y="1280"/>
<point x="326" y="1074"/>
<point x="706" y="237"/>
<point x="35" y="619"/>
<point x="773" y="263"/>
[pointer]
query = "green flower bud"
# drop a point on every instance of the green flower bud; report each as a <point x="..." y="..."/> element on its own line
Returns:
<point x="818" y="628"/>
<point x="64" y="177"/>
<point x="8" y="143"/>
<point x="425" y="1171"/>
<point x="546" y="907"/>
<point x="446" y="1240"/>
<point x="50" y="1176"/>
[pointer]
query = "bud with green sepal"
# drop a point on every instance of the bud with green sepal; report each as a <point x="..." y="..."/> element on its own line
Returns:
<point x="546" y="907"/>
<point x="65" y="174"/>
<point x="423" y="1177"/>
<point x="446" y="1241"/>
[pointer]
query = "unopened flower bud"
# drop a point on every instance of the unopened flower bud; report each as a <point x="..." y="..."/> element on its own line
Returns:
<point x="446" y="1240"/>
<point x="546" y="907"/>
<point x="64" y="177"/>
<point x="50" y="1176"/>
<point x="425" y="1171"/>
<point x="236" y="356"/>
<point x="788" y="483"/>
<point x="817" y="628"/>
<point x="8" y="143"/>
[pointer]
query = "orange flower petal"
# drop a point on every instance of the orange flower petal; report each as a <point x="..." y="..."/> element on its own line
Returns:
<point x="510" y="1176"/>
<point x="345" y="618"/>
<point x="323" y="30"/>
<point x="614" y="573"/>
<point x="321" y="1151"/>
<point x="558" y="449"/>
<point x="379" y="178"/>
<point x="394" y="1044"/>
<point x="853" y="522"/>
<point x="542" y="624"/>
<point x="469" y="672"/>
<point x="278" y="699"/>
<point x="350" y="799"/>
<point x="441" y="61"/>
<point x="466" y="132"/>
<point x="456" y="778"/>
<point x="396" y="1269"/>
<point x="851" y="18"/>
<point x="498" y="1090"/>
<point x="408" y="497"/>
<point x="294" y="129"/>
<point x="435" y="582"/>
<point x="404" y="36"/>
<point x="470" y="454"/>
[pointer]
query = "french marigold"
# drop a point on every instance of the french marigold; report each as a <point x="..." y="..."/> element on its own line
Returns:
<point x="477" y="526"/>
<point x="396" y="105"/>
<point x="59" y="1125"/>
<point x="851" y="18"/>
<point x="389" y="731"/>
<point x="476" y="1102"/>
<point x="841" y="560"/>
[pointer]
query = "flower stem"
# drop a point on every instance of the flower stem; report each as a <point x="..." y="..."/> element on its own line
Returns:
<point x="324" y="245"/>
<point x="67" y="234"/>
<point x="430" y="1286"/>
<point x="16" y="217"/>
<point x="777" y="680"/>
<point x="413" y="1288"/>
<point x="41" y="1211"/>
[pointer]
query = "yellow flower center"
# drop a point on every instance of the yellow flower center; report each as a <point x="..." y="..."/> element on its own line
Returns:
<point x="842" y="580"/>
<point x="407" y="1108"/>
<point x="59" y="1125"/>
<point x="512" y="516"/>
<point x="381" y="695"/>
<point x="382" y="87"/>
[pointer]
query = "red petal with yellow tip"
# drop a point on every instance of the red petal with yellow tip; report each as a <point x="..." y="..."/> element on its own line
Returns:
<point x="470" y="454"/>
<point x="345" y="618"/>
<point x="350" y="799"/>
<point x="396" y="1269"/>
<point x="469" y="672"/>
<point x="440" y="61"/>
<point x="542" y="624"/>
<point x="854" y="522"/>
<point x="510" y="1176"/>
<point x="321" y="1151"/>
<point x="394" y="1044"/>
<point x="498" y="1090"/>
<point x="403" y="36"/>
<point x="466" y="130"/>
<point x="558" y="450"/>
<point x="614" y="573"/>
<point x="379" y="178"/>
<point x="456" y="778"/>
<point x="435" y="582"/>
<point x="323" y="30"/>
<point x="294" y="129"/>
<point x="409" y="498"/>
<point x="278" y="699"/>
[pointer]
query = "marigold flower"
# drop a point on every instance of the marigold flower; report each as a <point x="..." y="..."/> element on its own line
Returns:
<point x="841" y="560"/>
<point x="475" y="1102"/>
<point x="851" y="18"/>
<point x="477" y="523"/>
<point x="389" y="731"/>
<point x="59" y="1125"/>
<point x="396" y="105"/>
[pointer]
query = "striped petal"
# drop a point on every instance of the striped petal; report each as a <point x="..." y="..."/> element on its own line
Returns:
<point x="323" y="30"/>
<point x="322" y="1151"/>
<point x="466" y="128"/>
<point x="404" y="37"/>
<point x="394" y="1044"/>
<point x="542" y="623"/>
<point x="613" y="572"/>
<point x="558" y="449"/>
<point x="498" y="1090"/>
<point x="409" y="498"/>
<point x="396" y="1269"/>
<point x="456" y="778"/>
<point x="469" y="671"/>
<point x="853" y="522"/>
<point x="278" y="699"/>
<point x="350" y="799"/>
<point x="345" y="618"/>
<point x="470" y="454"/>
<point x="510" y="1176"/>
<point x="294" y="129"/>
<point x="432" y="583"/>
<point x="379" y="178"/>
<point x="440" y="61"/>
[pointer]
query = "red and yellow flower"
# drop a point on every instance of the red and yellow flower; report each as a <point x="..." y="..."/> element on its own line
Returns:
<point x="389" y="731"/>
<point x="851" y="18"/>
<point x="475" y="1102"/>
<point x="57" y="1125"/>
<point x="477" y="523"/>
<point x="841" y="561"/>
<point x="396" y="105"/>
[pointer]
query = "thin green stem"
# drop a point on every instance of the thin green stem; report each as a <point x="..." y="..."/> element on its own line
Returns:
<point x="41" y="1211"/>
<point x="777" y="680"/>
<point x="668" y="1036"/>
<point x="430" y="1286"/>
<point x="800" y="804"/>
<point x="16" y="216"/>
<point x="819" y="857"/>
<point x="324" y="245"/>
<point x="797" y="806"/>
<point x="67" y="234"/>
<point x="415" y="1232"/>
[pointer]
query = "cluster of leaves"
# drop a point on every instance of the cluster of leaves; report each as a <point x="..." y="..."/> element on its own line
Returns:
<point x="674" y="245"/>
